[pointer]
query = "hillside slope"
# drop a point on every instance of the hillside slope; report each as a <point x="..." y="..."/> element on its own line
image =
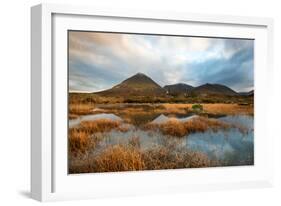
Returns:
<point x="136" y="85"/>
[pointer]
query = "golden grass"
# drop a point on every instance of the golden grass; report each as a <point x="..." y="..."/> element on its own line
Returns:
<point x="216" y="108"/>
<point x="163" y="158"/>
<point x="142" y="109"/>
<point x="80" y="109"/>
<point x="131" y="158"/>
<point x="177" y="128"/>
<point x="79" y="141"/>
<point x="176" y="108"/>
<point x="124" y="128"/>
<point x="172" y="127"/>
<point x="81" y="138"/>
<point x="100" y="125"/>
<point x="119" y="158"/>
<point x="112" y="159"/>
<point x="143" y="113"/>
<point x="201" y="124"/>
<point x="198" y="159"/>
<point x="73" y="116"/>
<point x="229" y="109"/>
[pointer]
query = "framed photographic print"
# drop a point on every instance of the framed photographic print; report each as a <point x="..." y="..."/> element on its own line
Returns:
<point x="136" y="102"/>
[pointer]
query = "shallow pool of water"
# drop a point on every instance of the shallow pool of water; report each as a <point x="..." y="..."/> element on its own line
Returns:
<point x="229" y="147"/>
<point x="163" y="118"/>
<point x="92" y="117"/>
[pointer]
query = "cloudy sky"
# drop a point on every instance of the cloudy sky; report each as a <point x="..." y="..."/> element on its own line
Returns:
<point x="98" y="61"/>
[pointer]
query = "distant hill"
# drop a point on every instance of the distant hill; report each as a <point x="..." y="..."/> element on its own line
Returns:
<point x="178" y="89"/>
<point x="136" y="85"/>
<point x="140" y="85"/>
<point x="213" y="89"/>
<point x="250" y="93"/>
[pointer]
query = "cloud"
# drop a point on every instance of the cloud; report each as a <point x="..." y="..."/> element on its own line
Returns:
<point x="98" y="61"/>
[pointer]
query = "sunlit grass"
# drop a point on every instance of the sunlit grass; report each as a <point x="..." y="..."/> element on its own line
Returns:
<point x="178" y="128"/>
<point x="118" y="158"/>
<point x="81" y="138"/>
<point x="229" y="109"/>
<point x="131" y="158"/>
<point x="216" y="108"/>
<point x="80" y="109"/>
<point x="85" y="154"/>
<point x="100" y="125"/>
<point x="164" y="158"/>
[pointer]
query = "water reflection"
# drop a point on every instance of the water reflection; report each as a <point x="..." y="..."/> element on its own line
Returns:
<point x="92" y="117"/>
<point x="229" y="147"/>
<point x="163" y="118"/>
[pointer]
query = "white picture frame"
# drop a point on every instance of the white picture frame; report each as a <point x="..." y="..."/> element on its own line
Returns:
<point x="49" y="179"/>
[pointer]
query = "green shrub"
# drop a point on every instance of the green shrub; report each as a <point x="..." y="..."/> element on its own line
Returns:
<point x="197" y="107"/>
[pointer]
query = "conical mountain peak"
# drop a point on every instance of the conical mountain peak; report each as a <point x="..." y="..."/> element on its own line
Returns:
<point x="137" y="85"/>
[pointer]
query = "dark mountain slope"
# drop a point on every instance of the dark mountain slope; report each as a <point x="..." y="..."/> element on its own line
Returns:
<point x="213" y="89"/>
<point x="250" y="93"/>
<point x="178" y="89"/>
<point x="137" y="85"/>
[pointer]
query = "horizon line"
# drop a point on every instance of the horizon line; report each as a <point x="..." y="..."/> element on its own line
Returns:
<point x="141" y="73"/>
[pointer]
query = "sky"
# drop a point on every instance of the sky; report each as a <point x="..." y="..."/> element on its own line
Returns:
<point x="98" y="61"/>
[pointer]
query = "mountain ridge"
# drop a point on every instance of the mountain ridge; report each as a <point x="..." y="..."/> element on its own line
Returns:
<point x="178" y="89"/>
<point x="142" y="85"/>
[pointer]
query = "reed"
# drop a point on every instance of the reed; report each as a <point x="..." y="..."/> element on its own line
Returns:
<point x="131" y="158"/>
<point x="100" y="125"/>
<point x="85" y="137"/>
<point x="78" y="141"/>
<point x="177" y="128"/>
<point x="80" y="109"/>
<point x="214" y="108"/>
<point x="112" y="159"/>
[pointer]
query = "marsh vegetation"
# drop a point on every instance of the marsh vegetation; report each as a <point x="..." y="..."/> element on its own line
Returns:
<point x="150" y="102"/>
<point x="132" y="136"/>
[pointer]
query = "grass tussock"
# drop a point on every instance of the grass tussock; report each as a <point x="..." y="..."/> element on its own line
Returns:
<point x="177" y="128"/>
<point x="215" y="108"/>
<point x="112" y="159"/>
<point x="81" y="138"/>
<point x="131" y="158"/>
<point x="228" y="109"/>
<point x="72" y="116"/>
<point x="175" y="108"/>
<point x="79" y="141"/>
<point x="100" y="125"/>
<point x="80" y="109"/>
<point x="119" y="158"/>
<point x="163" y="158"/>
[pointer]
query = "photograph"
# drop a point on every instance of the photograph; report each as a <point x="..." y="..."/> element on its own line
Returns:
<point x="139" y="102"/>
